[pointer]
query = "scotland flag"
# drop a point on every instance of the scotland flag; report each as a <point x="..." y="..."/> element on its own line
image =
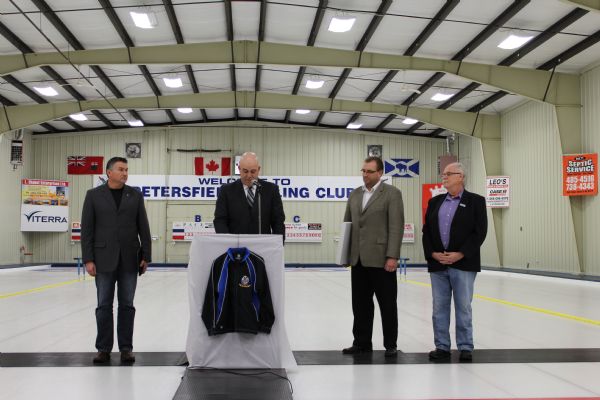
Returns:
<point x="401" y="167"/>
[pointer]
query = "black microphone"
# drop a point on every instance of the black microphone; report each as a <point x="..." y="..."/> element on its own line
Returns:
<point x="256" y="183"/>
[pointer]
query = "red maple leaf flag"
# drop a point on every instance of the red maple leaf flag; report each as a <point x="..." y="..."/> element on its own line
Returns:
<point x="212" y="166"/>
<point x="85" y="165"/>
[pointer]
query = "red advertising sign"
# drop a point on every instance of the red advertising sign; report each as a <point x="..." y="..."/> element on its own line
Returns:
<point x="430" y="190"/>
<point x="580" y="174"/>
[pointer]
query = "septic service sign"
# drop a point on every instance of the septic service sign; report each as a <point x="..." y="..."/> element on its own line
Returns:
<point x="580" y="174"/>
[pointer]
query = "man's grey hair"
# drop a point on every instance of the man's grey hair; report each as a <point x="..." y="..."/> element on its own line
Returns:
<point x="461" y="168"/>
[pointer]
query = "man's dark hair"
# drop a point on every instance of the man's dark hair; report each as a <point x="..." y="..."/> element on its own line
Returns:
<point x="114" y="160"/>
<point x="377" y="161"/>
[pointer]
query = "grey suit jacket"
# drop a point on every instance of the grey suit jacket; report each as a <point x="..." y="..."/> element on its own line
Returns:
<point x="108" y="233"/>
<point x="378" y="229"/>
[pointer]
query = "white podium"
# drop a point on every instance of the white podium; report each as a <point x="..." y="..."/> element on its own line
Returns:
<point x="237" y="350"/>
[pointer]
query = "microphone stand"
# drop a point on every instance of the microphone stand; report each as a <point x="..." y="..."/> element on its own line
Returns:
<point x="258" y="187"/>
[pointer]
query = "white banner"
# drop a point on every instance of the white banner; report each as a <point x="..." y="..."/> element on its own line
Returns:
<point x="497" y="191"/>
<point x="295" y="232"/>
<point x="192" y="187"/>
<point x="44" y="205"/>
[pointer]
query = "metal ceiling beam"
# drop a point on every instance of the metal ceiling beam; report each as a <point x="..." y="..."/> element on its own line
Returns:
<point x="526" y="82"/>
<point x="590" y="5"/>
<point x="435" y="22"/>
<point x="179" y="38"/>
<point x="120" y="28"/>
<point x="15" y="117"/>
<point x="311" y="42"/>
<point x="261" y="38"/>
<point x="72" y="40"/>
<point x="232" y="77"/>
<point x="375" y="21"/>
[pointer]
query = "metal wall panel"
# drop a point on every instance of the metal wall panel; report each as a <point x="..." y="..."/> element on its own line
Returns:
<point x="538" y="228"/>
<point x="590" y="126"/>
<point x="11" y="238"/>
<point x="470" y="154"/>
<point x="282" y="150"/>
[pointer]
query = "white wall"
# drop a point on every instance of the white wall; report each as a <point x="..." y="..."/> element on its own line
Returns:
<point x="590" y="126"/>
<point x="538" y="228"/>
<point x="282" y="150"/>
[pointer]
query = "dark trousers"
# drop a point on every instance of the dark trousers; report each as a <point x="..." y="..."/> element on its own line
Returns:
<point x="367" y="281"/>
<point x="126" y="281"/>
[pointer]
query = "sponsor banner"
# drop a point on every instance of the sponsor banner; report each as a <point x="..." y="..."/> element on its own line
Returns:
<point x="430" y="190"/>
<point x="497" y="191"/>
<point x="580" y="174"/>
<point x="409" y="233"/>
<point x="75" y="231"/>
<point x="44" y="205"/>
<point x="299" y="232"/>
<point x="294" y="232"/>
<point x="190" y="187"/>
<point x="401" y="167"/>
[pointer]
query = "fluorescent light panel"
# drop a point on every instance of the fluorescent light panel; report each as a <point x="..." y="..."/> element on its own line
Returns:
<point x="354" y="126"/>
<point x="143" y="19"/>
<point x="135" y="122"/>
<point x="185" y="110"/>
<point x="46" y="90"/>
<point x="514" y="41"/>
<point x="173" y="82"/>
<point x="301" y="111"/>
<point x="409" y="121"/>
<point x="441" y="96"/>
<point x="310" y="84"/>
<point x="78" y="117"/>
<point x="341" y="24"/>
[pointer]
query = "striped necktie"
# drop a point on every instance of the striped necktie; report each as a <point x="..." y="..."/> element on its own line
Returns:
<point x="250" y="196"/>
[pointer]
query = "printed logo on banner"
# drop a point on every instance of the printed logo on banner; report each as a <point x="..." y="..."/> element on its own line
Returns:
<point x="401" y="167"/>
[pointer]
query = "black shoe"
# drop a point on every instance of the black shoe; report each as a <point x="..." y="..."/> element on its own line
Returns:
<point x="391" y="352"/>
<point x="101" y="357"/>
<point x="127" y="357"/>
<point x="356" y="350"/>
<point x="439" y="354"/>
<point x="466" y="355"/>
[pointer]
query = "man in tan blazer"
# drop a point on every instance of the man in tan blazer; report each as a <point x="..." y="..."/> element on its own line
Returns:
<point x="377" y="215"/>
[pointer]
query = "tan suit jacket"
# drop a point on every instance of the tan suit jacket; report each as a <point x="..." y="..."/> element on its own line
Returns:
<point x="378" y="229"/>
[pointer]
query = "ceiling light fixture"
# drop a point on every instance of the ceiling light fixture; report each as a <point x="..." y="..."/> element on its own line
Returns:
<point x="514" y="41"/>
<point x="441" y="96"/>
<point x="185" y="110"/>
<point x="353" y="126"/>
<point x="135" y="122"/>
<point x="173" y="82"/>
<point x="144" y="18"/>
<point x="341" y="24"/>
<point x="301" y="111"/>
<point x="78" y="117"/>
<point x="314" y="83"/>
<point x="409" y="121"/>
<point x="46" y="90"/>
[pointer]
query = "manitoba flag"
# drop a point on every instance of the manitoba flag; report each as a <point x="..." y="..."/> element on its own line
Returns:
<point x="84" y="165"/>
<point x="212" y="166"/>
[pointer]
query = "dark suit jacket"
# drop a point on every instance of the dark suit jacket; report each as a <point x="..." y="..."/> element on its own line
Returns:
<point x="107" y="233"/>
<point x="467" y="232"/>
<point x="234" y="215"/>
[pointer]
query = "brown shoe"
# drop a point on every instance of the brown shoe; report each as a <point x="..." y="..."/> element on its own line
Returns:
<point x="102" y="357"/>
<point x="127" y="357"/>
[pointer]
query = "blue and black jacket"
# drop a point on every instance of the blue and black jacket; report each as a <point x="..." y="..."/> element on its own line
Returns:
<point x="237" y="296"/>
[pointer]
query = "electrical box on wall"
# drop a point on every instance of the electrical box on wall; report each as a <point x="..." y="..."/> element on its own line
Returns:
<point x="16" y="152"/>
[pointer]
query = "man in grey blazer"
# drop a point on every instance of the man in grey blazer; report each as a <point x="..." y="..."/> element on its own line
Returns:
<point x="116" y="247"/>
<point x="377" y="215"/>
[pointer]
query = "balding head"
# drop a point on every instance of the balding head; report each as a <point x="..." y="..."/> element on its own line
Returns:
<point x="249" y="168"/>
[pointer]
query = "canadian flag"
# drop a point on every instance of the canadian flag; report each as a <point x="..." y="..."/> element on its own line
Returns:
<point x="212" y="166"/>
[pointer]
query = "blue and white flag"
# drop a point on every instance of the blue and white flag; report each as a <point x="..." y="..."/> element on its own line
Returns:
<point x="401" y="167"/>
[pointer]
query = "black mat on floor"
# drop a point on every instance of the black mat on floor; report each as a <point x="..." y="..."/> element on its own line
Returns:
<point x="142" y="359"/>
<point x="234" y="384"/>
<point x="309" y="358"/>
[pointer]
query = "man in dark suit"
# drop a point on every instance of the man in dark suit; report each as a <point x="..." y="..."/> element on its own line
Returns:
<point x="376" y="212"/>
<point x="454" y="230"/>
<point x="116" y="247"/>
<point x="243" y="203"/>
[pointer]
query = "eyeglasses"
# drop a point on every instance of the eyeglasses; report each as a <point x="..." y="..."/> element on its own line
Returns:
<point x="448" y="174"/>
<point x="367" y="171"/>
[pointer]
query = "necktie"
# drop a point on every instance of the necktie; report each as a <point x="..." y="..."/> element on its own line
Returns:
<point x="250" y="196"/>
